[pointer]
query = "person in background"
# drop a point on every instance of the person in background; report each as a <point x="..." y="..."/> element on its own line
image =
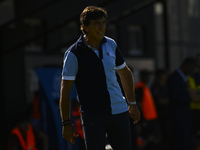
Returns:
<point x="160" y="96"/>
<point x="194" y="91"/>
<point x="149" y="127"/>
<point x="180" y="114"/>
<point x="25" y="135"/>
<point x="22" y="136"/>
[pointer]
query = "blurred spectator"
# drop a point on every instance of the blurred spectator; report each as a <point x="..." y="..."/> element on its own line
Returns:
<point x="160" y="96"/>
<point x="150" y="137"/>
<point x="32" y="118"/>
<point x="25" y="135"/>
<point x="179" y="105"/>
<point x="194" y="90"/>
<point x="22" y="136"/>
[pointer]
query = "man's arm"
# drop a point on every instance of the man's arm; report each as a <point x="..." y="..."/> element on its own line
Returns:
<point x="127" y="80"/>
<point x="68" y="129"/>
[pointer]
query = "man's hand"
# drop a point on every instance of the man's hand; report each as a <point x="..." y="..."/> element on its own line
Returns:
<point x="69" y="133"/>
<point x="134" y="113"/>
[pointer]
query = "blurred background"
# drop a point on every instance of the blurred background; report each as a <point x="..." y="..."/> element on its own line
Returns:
<point x="34" y="34"/>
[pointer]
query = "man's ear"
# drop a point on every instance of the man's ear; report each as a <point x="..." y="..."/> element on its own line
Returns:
<point x="84" y="27"/>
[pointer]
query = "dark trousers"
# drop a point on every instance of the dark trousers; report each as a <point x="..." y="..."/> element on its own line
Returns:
<point x="182" y="135"/>
<point x="100" y="129"/>
<point x="181" y="125"/>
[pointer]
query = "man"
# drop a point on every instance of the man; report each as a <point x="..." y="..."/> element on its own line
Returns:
<point x="91" y="64"/>
<point x="179" y="105"/>
<point x="194" y="90"/>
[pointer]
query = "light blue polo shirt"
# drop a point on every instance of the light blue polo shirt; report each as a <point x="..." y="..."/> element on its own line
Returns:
<point x="100" y="68"/>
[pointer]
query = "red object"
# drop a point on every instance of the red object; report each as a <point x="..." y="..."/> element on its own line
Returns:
<point x="78" y="123"/>
<point x="36" y="113"/>
<point x="148" y="106"/>
<point x="29" y="144"/>
<point x="139" y="141"/>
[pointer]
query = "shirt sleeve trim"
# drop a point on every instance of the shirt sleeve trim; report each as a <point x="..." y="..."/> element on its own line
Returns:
<point x="68" y="77"/>
<point x="121" y="66"/>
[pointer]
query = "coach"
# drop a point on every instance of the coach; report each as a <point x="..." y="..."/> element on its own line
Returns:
<point x="91" y="63"/>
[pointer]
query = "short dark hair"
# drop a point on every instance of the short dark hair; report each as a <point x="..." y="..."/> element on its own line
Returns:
<point x="189" y="61"/>
<point x="91" y="12"/>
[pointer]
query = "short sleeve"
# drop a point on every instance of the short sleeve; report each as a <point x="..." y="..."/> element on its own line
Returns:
<point x="70" y="66"/>
<point x="120" y="62"/>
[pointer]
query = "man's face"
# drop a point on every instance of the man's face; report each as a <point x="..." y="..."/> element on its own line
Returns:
<point x="96" y="29"/>
<point x="191" y="69"/>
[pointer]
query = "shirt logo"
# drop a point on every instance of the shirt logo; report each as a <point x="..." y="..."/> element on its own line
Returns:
<point x="108" y="54"/>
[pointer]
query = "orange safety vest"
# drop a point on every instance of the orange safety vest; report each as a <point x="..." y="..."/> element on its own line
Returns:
<point x="30" y="138"/>
<point x="148" y="105"/>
